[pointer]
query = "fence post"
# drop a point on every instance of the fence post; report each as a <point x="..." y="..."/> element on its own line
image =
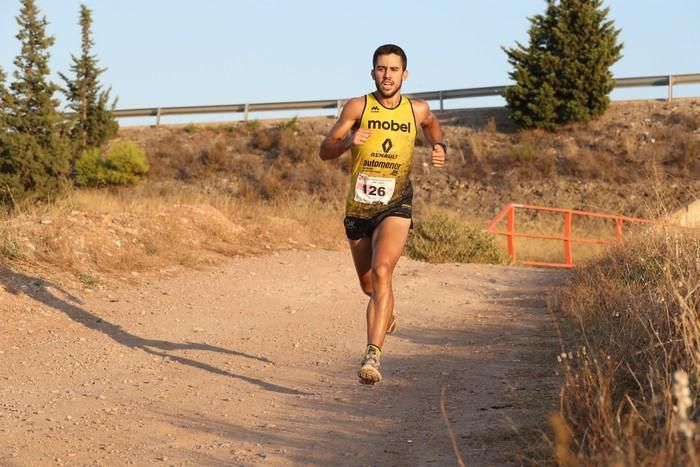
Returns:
<point x="567" y="238"/>
<point x="442" y="107"/>
<point x="157" y="117"/>
<point x="670" y="88"/>
<point x="511" y="233"/>
<point x="339" y="107"/>
<point x="245" y="112"/>
<point x="618" y="229"/>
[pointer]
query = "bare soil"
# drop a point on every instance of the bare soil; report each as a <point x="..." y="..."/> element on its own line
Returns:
<point x="253" y="362"/>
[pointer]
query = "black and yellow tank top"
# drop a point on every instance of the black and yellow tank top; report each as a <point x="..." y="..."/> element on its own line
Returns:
<point x="381" y="166"/>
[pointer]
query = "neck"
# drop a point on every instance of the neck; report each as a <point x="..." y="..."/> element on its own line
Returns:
<point x="388" y="102"/>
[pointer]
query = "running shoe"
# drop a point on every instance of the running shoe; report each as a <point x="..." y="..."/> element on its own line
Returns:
<point x="369" y="371"/>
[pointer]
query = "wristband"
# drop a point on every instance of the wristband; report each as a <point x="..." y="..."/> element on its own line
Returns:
<point x="444" y="147"/>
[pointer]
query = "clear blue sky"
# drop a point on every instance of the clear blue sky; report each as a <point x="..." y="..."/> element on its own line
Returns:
<point x="177" y="52"/>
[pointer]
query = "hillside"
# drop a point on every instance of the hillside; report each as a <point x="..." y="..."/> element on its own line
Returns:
<point x="641" y="159"/>
<point x="227" y="190"/>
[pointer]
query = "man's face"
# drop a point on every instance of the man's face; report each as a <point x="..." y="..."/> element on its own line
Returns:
<point x="388" y="74"/>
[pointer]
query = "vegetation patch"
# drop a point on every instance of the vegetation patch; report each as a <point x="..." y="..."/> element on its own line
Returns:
<point x="444" y="238"/>
<point x="124" y="164"/>
<point x="631" y="356"/>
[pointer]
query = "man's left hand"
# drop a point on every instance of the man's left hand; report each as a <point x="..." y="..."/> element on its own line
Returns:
<point x="438" y="156"/>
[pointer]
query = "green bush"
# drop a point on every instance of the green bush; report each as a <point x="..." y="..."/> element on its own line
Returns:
<point x="442" y="238"/>
<point x="125" y="164"/>
<point x="190" y="128"/>
<point x="90" y="168"/>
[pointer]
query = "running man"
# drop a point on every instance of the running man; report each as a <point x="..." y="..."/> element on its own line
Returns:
<point x="380" y="131"/>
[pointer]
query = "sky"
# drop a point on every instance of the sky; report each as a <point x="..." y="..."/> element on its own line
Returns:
<point x="162" y="53"/>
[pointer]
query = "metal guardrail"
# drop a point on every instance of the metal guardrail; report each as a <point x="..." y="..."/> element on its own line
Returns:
<point x="441" y="96"/>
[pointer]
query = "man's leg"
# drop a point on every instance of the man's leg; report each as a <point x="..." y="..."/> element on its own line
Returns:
<point x="388" y="241"/>
<point x="362" y="257"/>
<point x="375" y="265"/>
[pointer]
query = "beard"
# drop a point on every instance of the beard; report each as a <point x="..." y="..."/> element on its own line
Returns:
<point x="388" y="94"/>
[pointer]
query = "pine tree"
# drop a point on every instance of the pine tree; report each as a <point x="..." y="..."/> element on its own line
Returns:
<point x="95" y="123"/>
<point x="563" y="75"/>
<point x="37" y="150"/>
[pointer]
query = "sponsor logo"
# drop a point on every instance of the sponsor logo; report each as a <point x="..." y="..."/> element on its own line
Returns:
<point x="384" y="155"/>
<point x="374" y="109"/>
<point x="390" y="126"/>
<point x="381" y="164"/>
<point x="387" y="145"/>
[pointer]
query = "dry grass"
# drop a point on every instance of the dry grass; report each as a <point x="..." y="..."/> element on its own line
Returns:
<point x="209" y="182"/>
<point x="631" y="144"/>
<point x="266" y="178"/>
<point x="630" y="322"/>
<point x="95" y="236"/>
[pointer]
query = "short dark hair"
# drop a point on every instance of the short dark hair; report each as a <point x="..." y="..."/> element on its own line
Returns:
<point x="387" y="49"/>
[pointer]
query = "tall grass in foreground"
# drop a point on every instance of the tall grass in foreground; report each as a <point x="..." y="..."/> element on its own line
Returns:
<point x="631" y="356"/>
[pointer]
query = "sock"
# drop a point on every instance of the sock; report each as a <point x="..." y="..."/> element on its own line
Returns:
<point x="371" y="348"/>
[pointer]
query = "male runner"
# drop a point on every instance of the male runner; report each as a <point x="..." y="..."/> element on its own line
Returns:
<point x="380" y="130"/>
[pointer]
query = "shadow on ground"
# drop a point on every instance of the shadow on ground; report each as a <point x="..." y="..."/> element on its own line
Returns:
<point x="42" y="291"/>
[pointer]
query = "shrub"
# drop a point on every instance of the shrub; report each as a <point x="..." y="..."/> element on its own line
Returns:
<point x="90" y="168"/>
<point x="8" y="247"/>
<point x="190" y="128"/>
<point x="125" y="164"/>
<point x="442" y="238"/>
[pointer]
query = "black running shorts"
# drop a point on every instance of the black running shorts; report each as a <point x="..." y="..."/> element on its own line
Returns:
<point x="357" y="227"/>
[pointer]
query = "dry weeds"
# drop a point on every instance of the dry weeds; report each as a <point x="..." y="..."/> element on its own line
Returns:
<point x="96" y="236"/>
<point x="631" y="322"/>
<point x="265" y="178"/>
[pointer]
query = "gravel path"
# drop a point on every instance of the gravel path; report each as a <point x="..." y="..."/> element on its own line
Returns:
<point x="253" y="362"/>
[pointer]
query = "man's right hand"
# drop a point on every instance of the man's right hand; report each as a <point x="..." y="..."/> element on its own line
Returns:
<point x="341" y="137"/>
<point x="359" y="136"/>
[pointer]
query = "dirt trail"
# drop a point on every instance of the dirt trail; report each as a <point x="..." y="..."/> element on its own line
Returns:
<point x="254" y="362"/>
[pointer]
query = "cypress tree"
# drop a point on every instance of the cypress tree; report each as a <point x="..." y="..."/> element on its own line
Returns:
<point x="7" y="183"/>
<point x="94" y="123"/>
<point x="37" y="149"/>
<point x="563" y="75"/>
<point x="3" y="106"/>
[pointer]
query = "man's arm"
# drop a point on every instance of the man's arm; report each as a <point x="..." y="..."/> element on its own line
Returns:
<point x="342" y="137"/>
<point x="431" y="129"/>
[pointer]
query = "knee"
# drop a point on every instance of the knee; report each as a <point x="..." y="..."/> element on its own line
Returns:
<point x="366" y="285"/>
<point x="381" y="273"/>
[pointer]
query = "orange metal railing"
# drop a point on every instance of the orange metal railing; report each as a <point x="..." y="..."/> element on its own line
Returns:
<point x="508" y="213"/>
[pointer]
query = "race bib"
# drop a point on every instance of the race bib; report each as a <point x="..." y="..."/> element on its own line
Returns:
<point x="374" y="190"/>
